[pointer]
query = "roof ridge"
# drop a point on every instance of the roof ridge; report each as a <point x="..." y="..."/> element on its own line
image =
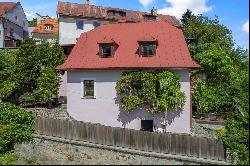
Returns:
<point x="107" y="7"/>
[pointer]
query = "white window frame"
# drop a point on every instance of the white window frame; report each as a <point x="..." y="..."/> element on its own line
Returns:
<point x="82" y="88"/>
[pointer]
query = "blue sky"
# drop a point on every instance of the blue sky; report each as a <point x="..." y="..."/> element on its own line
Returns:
<point x="232" y="13"/>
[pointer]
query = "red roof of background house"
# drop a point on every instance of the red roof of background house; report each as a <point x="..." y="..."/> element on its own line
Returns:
<point x="99" y="12"/>
<point x="40" y="28"/>
<point x="172" y="50"/>
<point x="6" y="6"/>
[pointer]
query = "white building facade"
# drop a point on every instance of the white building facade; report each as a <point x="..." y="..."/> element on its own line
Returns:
<point x="13" y="25"/>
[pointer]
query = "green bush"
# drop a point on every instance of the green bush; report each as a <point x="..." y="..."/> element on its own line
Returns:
<point x="235" y="136"/>
<point x="19" y="121"/>
<point x="27" y="98"/>
<point x="5" y="138"/>
<point x="8" y="159"/>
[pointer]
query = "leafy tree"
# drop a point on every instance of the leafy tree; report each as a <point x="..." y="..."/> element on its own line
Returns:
<point x="223" y="81"/>
<point x="7" y="62"/>
<point x="223" y="67"/>
<point x="27" y="67"/>
<point x="51" y="55"/>
<point x="33" y="22"/>
<point x="48" y="85"/>
<point x="21" y="69"/>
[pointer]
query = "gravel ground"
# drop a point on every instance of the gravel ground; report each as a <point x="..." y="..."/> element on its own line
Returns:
<point x="43" y="152"/>
<point x="204" y="130"/>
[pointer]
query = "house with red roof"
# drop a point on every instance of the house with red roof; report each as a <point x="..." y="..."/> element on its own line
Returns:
<point x="46" y="31"/>
<point x="101" y="55"/>
<point x="77" y="18"/>
<point x="13" y="24"/>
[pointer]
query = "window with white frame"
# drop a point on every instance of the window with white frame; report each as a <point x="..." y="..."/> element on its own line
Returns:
<point x="88" y="88"/>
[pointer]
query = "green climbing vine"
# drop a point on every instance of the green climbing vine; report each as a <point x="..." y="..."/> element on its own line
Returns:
<point x="158" y="90"/>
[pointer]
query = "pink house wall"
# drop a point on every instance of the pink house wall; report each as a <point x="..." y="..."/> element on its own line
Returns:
<point x="104" y="109"/>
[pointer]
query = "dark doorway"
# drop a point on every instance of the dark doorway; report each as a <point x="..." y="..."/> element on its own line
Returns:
<point x="147" y="125"/>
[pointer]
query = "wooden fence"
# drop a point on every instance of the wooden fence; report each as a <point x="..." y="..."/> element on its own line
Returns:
<point x="179" y="144"/>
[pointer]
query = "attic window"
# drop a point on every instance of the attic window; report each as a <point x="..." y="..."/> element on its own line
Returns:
<point x="150" y="17"/>
<point x="49" y="27"/>
<point x="106" y="50"/>
<point x="147" y="49"/>
<point x="116" y="13"/>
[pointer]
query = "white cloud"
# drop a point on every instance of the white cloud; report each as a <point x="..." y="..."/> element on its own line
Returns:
<point x="178" y="7"/>
<point x="245" y="27"/>
<point x="29" y="14"/>
<point x="43" y="9"/>
<point x="145" y="3"/>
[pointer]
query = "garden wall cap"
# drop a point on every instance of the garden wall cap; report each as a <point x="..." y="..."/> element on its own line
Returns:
<point x="171" y="52"/>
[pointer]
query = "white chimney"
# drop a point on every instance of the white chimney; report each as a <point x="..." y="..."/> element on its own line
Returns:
<point x="154" y="12"/>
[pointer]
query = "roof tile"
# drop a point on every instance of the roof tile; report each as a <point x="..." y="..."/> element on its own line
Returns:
<point x="85" y="10"/>
<point x="6" y="6"/>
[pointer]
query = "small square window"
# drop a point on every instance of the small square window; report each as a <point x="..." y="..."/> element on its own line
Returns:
<point x="147" y="48"/>
<point x="79" y="24"/>
<point x="96" y="24"/>
<point x="106" y="50"/>
<point x="88" y="90"/>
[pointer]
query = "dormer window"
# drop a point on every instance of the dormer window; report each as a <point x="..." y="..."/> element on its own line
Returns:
<point x="49" y="27"/>
<point x="116" y="13"/>
<point x="150" y="17"/>
<point x="106" y="50"/>
<point x="147" y="49"/>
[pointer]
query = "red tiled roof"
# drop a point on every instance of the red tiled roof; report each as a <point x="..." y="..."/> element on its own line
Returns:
<point x="40" y="28"/>
<point x="6" y="6"/>
<point x="99" y="12"/>
<point x="172" y="50"/>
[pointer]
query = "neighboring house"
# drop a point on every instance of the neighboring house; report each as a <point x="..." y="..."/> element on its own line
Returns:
<point x="75" y="19"/>
<point x="101" y="55"/>
<point x="13" y="24"/>
<point x="45" y="31"/>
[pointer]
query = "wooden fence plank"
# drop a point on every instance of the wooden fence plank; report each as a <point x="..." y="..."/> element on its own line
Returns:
<point x="180" y="144"/>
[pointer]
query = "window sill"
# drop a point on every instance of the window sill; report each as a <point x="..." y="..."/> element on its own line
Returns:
<point x="88" y="97"/>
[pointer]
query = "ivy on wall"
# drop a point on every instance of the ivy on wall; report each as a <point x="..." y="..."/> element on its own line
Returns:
<point x="158" y="90"/>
